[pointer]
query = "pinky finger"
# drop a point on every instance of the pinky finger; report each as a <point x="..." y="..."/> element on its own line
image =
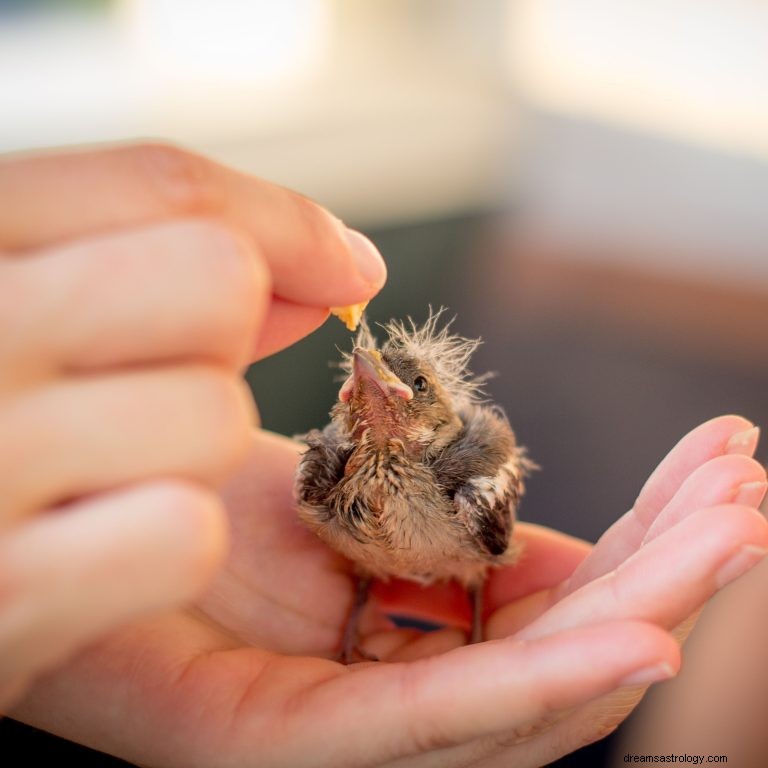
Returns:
<point x="71" y="574"/>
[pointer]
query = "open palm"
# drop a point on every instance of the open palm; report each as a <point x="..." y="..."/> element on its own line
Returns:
<point x="245" y="678"/>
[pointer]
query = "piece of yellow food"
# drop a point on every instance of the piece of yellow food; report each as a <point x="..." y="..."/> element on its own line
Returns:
<point x="350" y="315"/>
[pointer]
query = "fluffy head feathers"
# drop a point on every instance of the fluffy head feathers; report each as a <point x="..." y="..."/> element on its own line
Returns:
<point x="446" y="353"/>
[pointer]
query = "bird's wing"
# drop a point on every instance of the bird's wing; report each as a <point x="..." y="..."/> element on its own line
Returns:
<point x="483" y="471"/>
<point x="321" y="467"/>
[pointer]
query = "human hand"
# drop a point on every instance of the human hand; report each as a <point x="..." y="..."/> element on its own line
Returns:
<point x="217" y="688"/>
<point x="135" y="285"/>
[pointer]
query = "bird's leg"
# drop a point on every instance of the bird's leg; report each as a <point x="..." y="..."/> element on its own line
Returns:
<point x="349" y="641"/>
<point x="475" y="593"/>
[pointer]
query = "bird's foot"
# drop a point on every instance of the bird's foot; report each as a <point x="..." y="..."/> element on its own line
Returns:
<point x="476" y="600"/>
<point x="350" y="641"/>
<point x="353" y="652"/>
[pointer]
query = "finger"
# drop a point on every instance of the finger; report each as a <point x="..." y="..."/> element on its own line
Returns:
<point x="313" y="258"/>
<point x="84" y="435"/>
<point x="504" y="685"/>
<point x="721" y="480"/>
<point x="405" y="644"/>
<point x="69" y="576"/>
<point x="427" y="644"/>
<point x="384" y="644"/>
<point x="203" y="292"/>
<point x="285" y="324"/>
<point x="547" y="558"/>
<point x="667" y="580"/>
<point x="724" y="434"/>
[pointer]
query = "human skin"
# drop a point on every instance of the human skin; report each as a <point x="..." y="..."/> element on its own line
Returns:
<point x="244" y="676"/>
<point x="135" y="284"/>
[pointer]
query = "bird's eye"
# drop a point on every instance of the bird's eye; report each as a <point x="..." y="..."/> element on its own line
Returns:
<point x="420" y="384"/>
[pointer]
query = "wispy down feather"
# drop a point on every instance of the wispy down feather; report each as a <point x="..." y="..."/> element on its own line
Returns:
<point x="448" y="354"/>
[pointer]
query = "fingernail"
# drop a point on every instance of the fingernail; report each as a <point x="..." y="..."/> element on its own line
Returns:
<point x="745" y="558"/>
<point x="370" y="265"/>
<point x="750" y="494"/>
<point x="648" y="675"/>
<point x="743" y="442"/>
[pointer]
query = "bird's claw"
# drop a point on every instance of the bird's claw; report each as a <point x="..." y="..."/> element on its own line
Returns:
<point x="352" y="653"/>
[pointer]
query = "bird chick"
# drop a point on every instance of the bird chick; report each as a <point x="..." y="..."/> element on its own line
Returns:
<point x="415" y="476"/>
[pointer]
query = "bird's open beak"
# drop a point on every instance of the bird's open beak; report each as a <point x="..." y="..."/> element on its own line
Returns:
<point x="367" y="365"/>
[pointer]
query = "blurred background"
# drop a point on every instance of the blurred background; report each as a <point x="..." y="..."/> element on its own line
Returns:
<point x="584" y="183"/>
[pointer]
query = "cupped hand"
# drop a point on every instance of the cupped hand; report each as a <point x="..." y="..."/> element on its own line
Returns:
<point x="245" y="678"/>
<point x="135" y="285"/>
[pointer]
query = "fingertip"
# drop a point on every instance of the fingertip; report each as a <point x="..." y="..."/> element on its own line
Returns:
<point x="633" y="652"/>
<point x="723" y="479"/>
<point x="660" y="657"/>
<point x="732" y="539"/>
<point x="653" y="641"/>
<point x="738" y="563"/>
<point x="751" y="494"/>
<point x="703" y="443"/>
<point x="745" y="519"/>
<point x="743" y="442"/>
<point x="385" y="644"/>
<point x="210" y="534"/>
<point x="196" y="526"/>
<point x="423" y="645"/>
<point x="367" y="259"/>
<point x="315" y="259"/>
<point x="726" y="425"/>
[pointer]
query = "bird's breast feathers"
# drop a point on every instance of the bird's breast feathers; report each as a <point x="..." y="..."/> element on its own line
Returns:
<point x="391" y="516"/>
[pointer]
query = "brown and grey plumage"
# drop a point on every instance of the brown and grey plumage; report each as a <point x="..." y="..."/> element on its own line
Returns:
<point x="415" y="476"/>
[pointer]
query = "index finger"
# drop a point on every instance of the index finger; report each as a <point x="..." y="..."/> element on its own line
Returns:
<point x="314" y="259"/>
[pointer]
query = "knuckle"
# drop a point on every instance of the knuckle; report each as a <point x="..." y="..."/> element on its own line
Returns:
<point x="181" y="181"/>
<point x="17" y="291"/>
<point x="25" y="425"/>
<point x="426" y="730"/>
<point x="233" y="263"/>
<point x="219" y="266"/>
<point x="322" y="229"/>
<point x="197" y="513"/>
<point x="217" y="240"/>
<point x="20" y="615"/>
<point x="229" y="414"/>
<point x="615" y="586"/>
<point x="9" y="586"/>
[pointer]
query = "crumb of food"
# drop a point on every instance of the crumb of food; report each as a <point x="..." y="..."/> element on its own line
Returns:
<point x="350" y="315"/>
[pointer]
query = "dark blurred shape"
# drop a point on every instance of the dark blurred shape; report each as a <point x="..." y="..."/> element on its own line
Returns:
<point x="41" y="748"/>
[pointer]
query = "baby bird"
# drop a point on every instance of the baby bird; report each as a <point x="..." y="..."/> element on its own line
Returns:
<point x="415" y="476"/>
